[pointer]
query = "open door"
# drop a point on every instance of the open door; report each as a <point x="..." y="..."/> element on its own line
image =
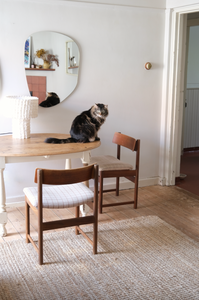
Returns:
<point x="189" y="167"/>
<point x="173" y="98"/>
<point x="190" y="136"/>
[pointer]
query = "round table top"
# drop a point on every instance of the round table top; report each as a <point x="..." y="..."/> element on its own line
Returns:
<point x="35" y="145"/>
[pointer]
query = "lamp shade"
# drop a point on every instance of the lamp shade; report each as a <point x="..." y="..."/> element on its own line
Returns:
<point x="21" y="109"/>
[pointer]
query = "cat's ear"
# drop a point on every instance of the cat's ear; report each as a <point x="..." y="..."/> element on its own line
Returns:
<point x="96" y="105"/>
<point x="106" y="105"/>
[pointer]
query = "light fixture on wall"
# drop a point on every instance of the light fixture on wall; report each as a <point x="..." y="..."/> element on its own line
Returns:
<point x="148" y="66"/>
<point x="21" y="109"/>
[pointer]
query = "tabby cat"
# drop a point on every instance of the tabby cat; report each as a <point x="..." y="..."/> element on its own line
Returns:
<point x="51" y="100"/>
<point x="85" y="126"/>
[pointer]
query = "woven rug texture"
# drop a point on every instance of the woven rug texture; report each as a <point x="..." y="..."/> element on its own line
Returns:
<point x="141" y="258"/>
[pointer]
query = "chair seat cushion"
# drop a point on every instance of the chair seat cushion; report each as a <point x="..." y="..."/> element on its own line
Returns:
<point x="61" y="196"/>
<point x="108" y="162"/>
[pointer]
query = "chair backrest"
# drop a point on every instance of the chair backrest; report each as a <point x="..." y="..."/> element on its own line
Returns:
<point x="125" y="141"/>
<point x="68" y="176"/>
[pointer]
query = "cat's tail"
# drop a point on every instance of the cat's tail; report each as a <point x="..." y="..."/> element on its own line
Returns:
<point x="60" y="141"/>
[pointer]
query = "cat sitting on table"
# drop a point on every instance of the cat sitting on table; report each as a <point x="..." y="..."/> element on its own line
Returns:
<point x="85" y="127"/>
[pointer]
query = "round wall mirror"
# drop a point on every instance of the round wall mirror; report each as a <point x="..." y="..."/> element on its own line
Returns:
<point x="51" y="63"/>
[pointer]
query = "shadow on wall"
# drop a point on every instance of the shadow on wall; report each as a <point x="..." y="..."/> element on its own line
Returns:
<point x="56" y="119"/>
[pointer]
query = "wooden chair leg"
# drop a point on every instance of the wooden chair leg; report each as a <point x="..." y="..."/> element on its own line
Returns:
<point x="40" y="236"/>
<point x="95" y="224"/>
<point x="77" y="216"/>
<point x="100" y="193"/>
<point x="95" y="238"/>
<point x="27" y="209"/>
<point x="40" y="244"/>
<point x="135" y="193"/>
<point x="117" y="186"/>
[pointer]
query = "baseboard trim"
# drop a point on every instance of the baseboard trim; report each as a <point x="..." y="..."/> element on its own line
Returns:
<point x="191" y="149"/>
<point x="149" y="181"/>
<point x="18" y="201"/>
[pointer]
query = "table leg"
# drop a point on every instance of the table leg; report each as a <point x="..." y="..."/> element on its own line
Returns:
<point x="85" y="208"/>
<point x="85" y="161"/>
<point x="3" y="213"/>
<point x="68" y="163"/>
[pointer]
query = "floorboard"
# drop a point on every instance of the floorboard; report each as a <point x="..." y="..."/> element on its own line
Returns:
<point x="190" y="168"/>
<point x="176" y="206"/>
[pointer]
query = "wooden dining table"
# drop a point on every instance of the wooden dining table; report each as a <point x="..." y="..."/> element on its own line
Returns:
<point x="14" y="150"/>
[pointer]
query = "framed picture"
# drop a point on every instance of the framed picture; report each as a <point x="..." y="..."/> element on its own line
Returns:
<point x="27" y="53"/>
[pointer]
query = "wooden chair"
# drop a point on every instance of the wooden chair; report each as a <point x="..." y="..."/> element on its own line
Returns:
<point x="110" y="166"/>
<point x="62" y="193"/>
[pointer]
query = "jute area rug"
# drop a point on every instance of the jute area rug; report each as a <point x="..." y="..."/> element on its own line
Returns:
<point x="141" y="258"/>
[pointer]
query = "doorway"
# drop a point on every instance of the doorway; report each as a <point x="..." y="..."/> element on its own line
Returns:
<point x="189" y="166"/>
<point x="173" y="93"/>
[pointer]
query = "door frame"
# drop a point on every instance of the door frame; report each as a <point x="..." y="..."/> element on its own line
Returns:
<point x="173" y="93"/>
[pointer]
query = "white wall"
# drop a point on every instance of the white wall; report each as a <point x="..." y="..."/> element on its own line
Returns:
<point x="115" y="42"/>
<point x="180" y="3"/>
<point x="193" y="61"/>
<point x="191" y="112"/>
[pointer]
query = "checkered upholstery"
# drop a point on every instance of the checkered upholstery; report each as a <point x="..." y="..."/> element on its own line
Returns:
<point x="108" y="162"/>
<point x="61" y="196"/>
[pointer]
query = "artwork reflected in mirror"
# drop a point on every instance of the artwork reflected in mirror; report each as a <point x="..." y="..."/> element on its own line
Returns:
<point x="52" y="73"/>
<point x="27" y="53"/>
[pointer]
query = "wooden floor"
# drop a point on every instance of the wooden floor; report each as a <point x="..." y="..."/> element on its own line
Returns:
<point x="172" y="204"/>
<point x="189" y="166"/>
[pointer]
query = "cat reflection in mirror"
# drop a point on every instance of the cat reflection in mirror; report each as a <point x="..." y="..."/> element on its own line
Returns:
<point x="85" y="127"/>
<point x="52" y="99"/>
